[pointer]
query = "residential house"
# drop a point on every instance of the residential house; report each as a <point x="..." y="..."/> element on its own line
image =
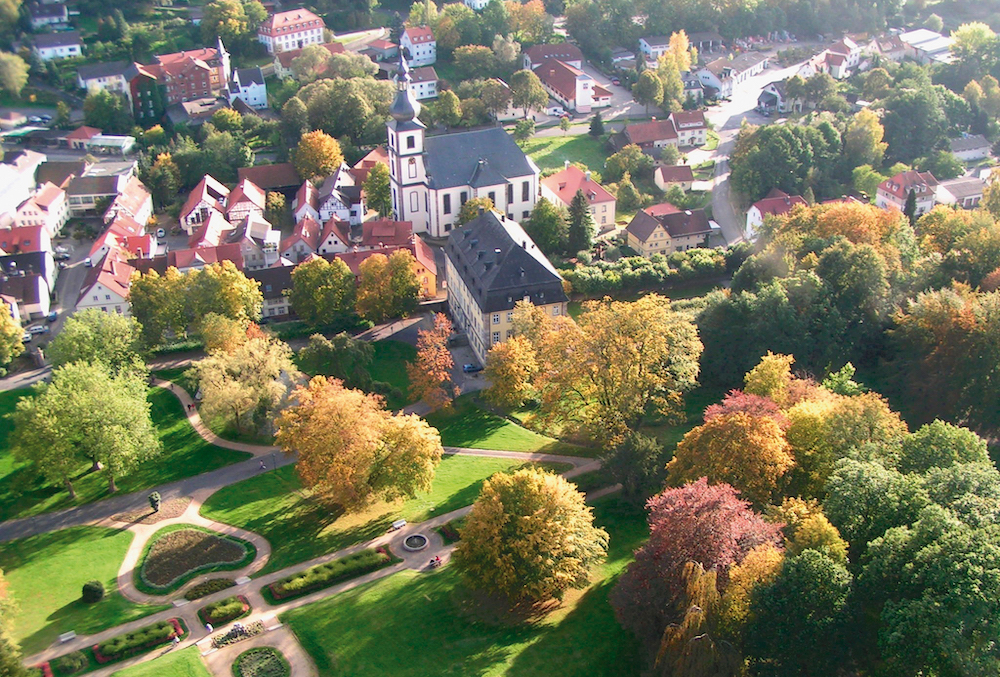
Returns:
<point x="663" y="229"/>
<point x="654" y="47"/>
<point x="303" y="242"/>
<point x="926" y="46"/>
<point x="895" y="191"/>
<point x="476" y="5"/>
<point x="27" y="236"/>
<point x="694" y="90"/>
<point x="81" y="136"/>
<point x="889" y="47"/>
<point x="283" y="60"/>
<point x="692" y="129"/>
<point x="850" y="53"/>
<point x="87" y="193"/>
<point x="339" y="236"/>
<point x="334" y="199"/>
<point x="106" y="285"/>
<point x="53" y="207"/>
<point x="425" y="83"/>
<point x="27" y="292"/>
<point x="274" y="281"/>
<point x="38" y="262"/>
<point x="561" y="187"/>
<point x="134" y="201"/>
<point x="774" y="98"/>
<point x="290" y="30"/>
<point x="621" y="56"/>
<point x="245" y="199"/>
<point x="207" y="197"/>
<point x="280" y="177"/>
<point x="148" y="98"/>
<point x="667" y="176"/>
<point x="571" y="87"/>
<point x="257" y="239"/>
<point x="104" y="77"/>
<point x="63" y="45"/>
<point x="776" y="203"/>
<point x="377" y="155"/>
<point x="723" y="74"/>
<point x="247" y="85"/>
<point x="306" y="202"/>
<point x="381" y="50"/>
<point x="424" y="267"/>
<point x="567" y="52"/>
<point x="683" y="128"/>
<point x="491" y="265"/>
<point x="192" y="75"/>
<point x="43" y="15"/>
<point x="965" y="192"/>
<point x="212" y="232"/>
<point x="419" y="44"/>
<point x="970" y="147"/>
<point x="17" y="178"/>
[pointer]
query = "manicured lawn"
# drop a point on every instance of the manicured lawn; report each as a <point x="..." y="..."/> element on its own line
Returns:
<point x="184" y="454"/>
<point x="432" y="619"/>
<point x="184" y="663"/>
<point x="551" y="152"/>
<point x="46" y="574"/>
<point x="467" y="425"/>
<point x="389" y="365"/>
<point x="275" y="506"/>
<point x="711" y="140"/>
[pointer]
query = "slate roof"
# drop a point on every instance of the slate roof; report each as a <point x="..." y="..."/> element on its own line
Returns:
<point x="25" y="290"/>
<point x="970" y="142"/>
<point x="59" y="173"/>
<point x="500" y="264"/>
<point x="564" y="51"/>
<point x="271" y="177"/>
<point x="62" y="39"/>
<point x="690" y="222"/>
<point x="93" y="185"/>
<point x="273" y="280"/>
<point x="102" y="70"/>
<point x="453" y="159"/>
<point x="650" y="132"/>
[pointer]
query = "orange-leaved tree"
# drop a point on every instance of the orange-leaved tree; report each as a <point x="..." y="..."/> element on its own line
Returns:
<point x="430" y="374"/>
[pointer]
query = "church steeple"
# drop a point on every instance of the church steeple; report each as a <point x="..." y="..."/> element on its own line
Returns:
<point x="404" y="107"/>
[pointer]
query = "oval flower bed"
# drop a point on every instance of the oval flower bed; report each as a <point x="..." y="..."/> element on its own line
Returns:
<point x="139" y="641"/>
<point x="324" y="575"/>
<point x="177" y="554"/>
<point x="263" y="661"/>
<point x="225" y="610"/>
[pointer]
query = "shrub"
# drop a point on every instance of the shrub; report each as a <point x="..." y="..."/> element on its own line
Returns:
<point x="208" y="587"/>
<point x="325" y="575"/>
<point x="225" y="610"/>
<point x="69" y="664"/>
<point x="450" y="531"/>
<point x="43" y="670"/>
<point x="93" y="591"/>
<point x="154" y="501"/>
<point x="139" y="641"/>
<point x="261" y="662"/>
<point x="638" y="273"/>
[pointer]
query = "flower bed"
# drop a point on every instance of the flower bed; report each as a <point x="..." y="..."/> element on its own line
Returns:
<point x="208" y="588"/>
<point x="262" y="661"/>
<point x="225" y="610"/>
<point x="177" y="554"/>
<point x="325" y="575"/>
<point x="140" y="641"/>
<point x="238" y="633"/>
<point x="43" y="670"/>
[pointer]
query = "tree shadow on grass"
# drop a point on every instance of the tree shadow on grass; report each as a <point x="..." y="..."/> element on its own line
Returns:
<point x="467" y="425"/>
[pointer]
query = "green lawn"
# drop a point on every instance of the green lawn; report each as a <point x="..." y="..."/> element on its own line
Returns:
<point x="184" y="454"/>
<point x="389" y="365"/>
<point x="184" y="663"/>
<point x="551" y="152"/>
<point x="46" y="574"/>
<point x="429" y="618"/>
<point x="274" y="505"/>
<point x="711" y="140"/>
<point x="470" y="426"/>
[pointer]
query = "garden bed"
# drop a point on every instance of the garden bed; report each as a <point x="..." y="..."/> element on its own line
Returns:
<point x="177" y="554"/>
<point x="209" y="587"/>
<point x="331" y="573"/>
<point x="262" y="661"/>
<point x="225" y="610"/>
<point x="238" y="633"/>
<point x="140" y="641"/>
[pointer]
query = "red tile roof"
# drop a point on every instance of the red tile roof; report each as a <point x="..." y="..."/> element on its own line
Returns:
<point x="417" y="247"/>
<point x="209" y="234"/>
<point x="307" y="195"/>
<point x="560" y="77"/>
<point x="675" y="173"/>
<point x="208" y="189"/>
<point x="649" y="132"/>
<point x="661" y="209"/>
<point x="900" y="185"/>
<point x="378" y="155"/>
<point x="132" y="197"/>
<point x="778" y="202"/>
<point x="382" y="45"/>
<point x="47" y="194"/>
<point x="246" y="191"/>
<point x="307" y="230"/>
<point x="566" y="183"/>
<point x="83" y="133"/>
<point x="688" y="119"/>
<point x="114" y="273"/>
<point x="271" y="177"/>
<point x="419" y="34"/>
<point x="21" y="239"/>
<point x="291" y="21"/>
<point x="286" y="58"/>
<point x="186" y="258"/>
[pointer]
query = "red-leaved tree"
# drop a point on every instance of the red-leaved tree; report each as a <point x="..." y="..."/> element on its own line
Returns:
<point x="699" y="523"/>
<point x="737" y="401"/>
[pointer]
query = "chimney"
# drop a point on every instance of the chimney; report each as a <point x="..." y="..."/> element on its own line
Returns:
<point x="565" y="164"/>
<point x="588" y="175"/>
<point x="481" y="211"/>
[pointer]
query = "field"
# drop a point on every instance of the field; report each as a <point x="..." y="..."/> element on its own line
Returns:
<point x="551" y="152"/>
<point x="184" y="454"/>
<point x="46" y="573"/>
<point x="300" y="528"/>
<point x="439" y="627"/>
<point x="184" y="663"/>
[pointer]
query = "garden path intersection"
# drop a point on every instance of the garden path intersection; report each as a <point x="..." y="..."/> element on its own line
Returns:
<point x="198" y="489"/>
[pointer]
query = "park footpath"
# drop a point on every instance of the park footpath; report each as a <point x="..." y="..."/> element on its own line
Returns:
<point x="198" y="489"/>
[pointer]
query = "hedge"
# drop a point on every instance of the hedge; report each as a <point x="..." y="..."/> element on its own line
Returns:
<point x="139" y="641"/>
<point x="325" y="575"/>
<point x="261" y="661"/>
<point x="69" y="664"/>
<point x="209" y="587"/>
<point x="225" y="610"/>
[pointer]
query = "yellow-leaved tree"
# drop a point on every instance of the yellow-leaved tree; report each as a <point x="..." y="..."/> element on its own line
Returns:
<point x="510" y="368"/>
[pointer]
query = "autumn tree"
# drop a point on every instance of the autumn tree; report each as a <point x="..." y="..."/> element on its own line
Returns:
<point x="317" y="155"/>
<point x="340" y="357"/>
<point x="759" y="568"/>
<point x="350" y="450"/>
<point x="377" y="193"/>
<point x="244" y="386"/>
<point x="387" y="286"/>
<point x="225" y="19"/>
<point x="275" y="208"/>
<point x="470" y="209"/>
<point x="157" y="302"/>
<point x="430" y="374"/>
<point x="221" y="333"/>
<point x="745" y="451"/>
<point x="85" y="414"/>
<point x="863" y="141"/>
<point x="496" y="96"/>
<point x="107" y="338"/>
<point x="527" y="92"/>
<point x="163" y="180"/>
<point x="816" y="533"/>
<point x="322" y="291"/>
<point x="698" y="523"/>
<point x="739" y="402"/>
<point x="529" y="538"/>
<point x="771" y="378"/>
<point x="510" y="368"/>
<point x="13" y="73"/>
<point x="449" y="108"/>
<point x="10" y="335"/>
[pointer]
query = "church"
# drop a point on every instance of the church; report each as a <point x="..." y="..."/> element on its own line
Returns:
<point x="433" y="176"/>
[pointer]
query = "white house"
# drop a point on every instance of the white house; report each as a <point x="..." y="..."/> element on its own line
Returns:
<point x="247" y="84"/>
<point x="965" y="192"/>
<point x="425" y="83"/>
<point x="970" y="147"/>
<point x="420" y="45"/>
<point x="895" y="191"/>
<point x="724" y="75"/>
<point x="293" y="29"/>
<point x="206" y="197"/>
<point x="104" y="77"/>
<point x="53" y="207"/>
<point x="49" y="46"/>
<point x="45" y="14"/>
<point x="926" y="46"/>
<point x="133" y="201"/>
<point x="774" y="97"/>
<point x="306" y="202"/>
<point x="106" y="286"/>
<point x="572" y="87"/>
<point x="476" y="5"/>
<point x="245" y="199"/>
<point x="776" y="203"/>
<point x="654" y="46"/>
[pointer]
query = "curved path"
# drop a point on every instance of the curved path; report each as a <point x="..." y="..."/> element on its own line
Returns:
<point x="198" y="489"/>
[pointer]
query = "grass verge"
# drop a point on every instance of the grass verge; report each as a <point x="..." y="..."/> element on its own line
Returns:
<point x="184" y="663"/>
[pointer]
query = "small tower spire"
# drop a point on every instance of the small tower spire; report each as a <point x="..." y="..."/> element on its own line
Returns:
<point x="404" y="107"/>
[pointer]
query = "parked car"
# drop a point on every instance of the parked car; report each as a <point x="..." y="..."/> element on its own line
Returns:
<point x="556" y="111"/>
<point x="161" y="233"/>
<point x="616" y="81"/>
<point x="51" y="317"/>
<point x="61" y="256"/>
<point x="38" y="329"/>
<point x="46" y="118"/>
<point x="471" y="368"/>
<point x="26" y="338"/>
<point x="87" y="262"/>
<point x="34" y="118"/>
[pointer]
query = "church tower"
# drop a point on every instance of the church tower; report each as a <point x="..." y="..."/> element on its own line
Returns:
<point x="407" y="174"/>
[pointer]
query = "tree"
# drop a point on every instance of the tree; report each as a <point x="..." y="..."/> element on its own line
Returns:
<point x="878" y="83"/>
<point x="771" y="378"/>
<point x="110" y="339"/>
<point x="470" y="209"/>
<point x="430" y="374"/>
<point x="10" y="335"/>
<point x="403" y="283"/>
<point x="669" y="155"/>
<point x="527" y="92"/>
<point x="13" y="73"/>
<point x="221" y="288"/>
<point x="564" y="125"/>
<point x="449" y="108"/>
<point x="157" y="303"/>
<point x="226" y="19"/>
<point x="628" y="197"/>
<point x="636" y="463"/>
<point x="387" y="287"/>
<point x="529" y="538"/>
<point x="581" y="224"/>
<point x="244" y="386"/>
<point x="317" y="155"/>
<point x="863" y="140"/>
<point x="221" y="333"/>
<point x="10" y="659"/>
<point x="739" y="402"/>
<point x="377" y="192"/>
<point x="108" y="111"/>
<point x="866" y="180"/>
<point x="256" y="13"/>
<point x="275" y="207"/>
<point x="942" y="164"/>
<point x="496" y="96"/>
<point x="629" y="159"/>
<point x="63" y="113"/>
<point x="698" y="523"/>
<point x="475" y="61"/>
<point x="914" y="122"/>
<point x="227" y="120"/>
<point x="547" y="227"/>
<point x="596" y="125"/>
<point x="910" y="208"/>
<point x="350" y="450"/>
<point x="154" y="501"/>
<point x="648" y="90"/>
<point x="941" y="445"/>
<point x="510" y="368"/>
<point x="85" y="414"/>
<point x="524" y="130"/>
<point x="163" y="180"/>
<point x="806" y="605"/>
<point x="759" y="568"/>
<point x="322" y="291"/>
<point x="346" y="65"/>
<point x="294" y="120"/>
<point x="341" y="357"/>
<point x="747" y="452"/>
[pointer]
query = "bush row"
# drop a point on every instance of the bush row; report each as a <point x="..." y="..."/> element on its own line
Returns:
<point x="139" y="641"/>
<point x="225" y="610"/>
<point x="206" y="588"/>
<point x="70" y="664"/>
<point x="325" y="575"/>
